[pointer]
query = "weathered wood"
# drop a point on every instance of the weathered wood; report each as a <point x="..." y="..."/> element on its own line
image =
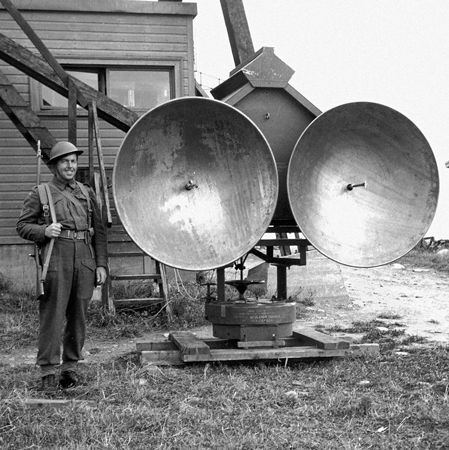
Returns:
<point x="137" y="276"/>
<point x="104" y="183"/>
<point x="90" y="142"/>
<point x="243" y="354"/>
<point x="321" y="340"/>
<point x="35" y="67"/>
<point x="43" y="50"/>
<point x="164" y="290"/>
<point x="72" y="111"/>
<point x="161" y="343"/>
<point x="25" y="120"/>
<point x="302" y="352"/>
<point x="238" y="30"/>
<point x="188" y="344"/>
<point x="137" y="302"/>
<point x="252" y="344"/>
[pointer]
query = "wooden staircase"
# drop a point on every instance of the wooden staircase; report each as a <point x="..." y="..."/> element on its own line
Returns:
<point x="127" y="262"/>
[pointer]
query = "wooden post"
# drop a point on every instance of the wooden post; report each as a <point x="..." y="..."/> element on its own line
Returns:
<point x="238" y="30"/>
<point x="104" y="181"/>
<point x="165" y="291"/>
<point x="38" y="43"/>
<point x="90" y="142"/>
<point x="72" y="107"/>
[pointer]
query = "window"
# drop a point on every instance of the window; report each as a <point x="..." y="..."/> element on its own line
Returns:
<point x="140" y="88"/>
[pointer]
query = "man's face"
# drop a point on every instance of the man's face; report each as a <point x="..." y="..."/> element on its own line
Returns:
<point x="65" y="167"/>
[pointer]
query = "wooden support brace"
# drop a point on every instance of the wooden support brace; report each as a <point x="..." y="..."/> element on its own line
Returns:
<point x="104" y="182"/>
<point x="189" y="344"/>
<point x="43" y="50"/>
<point x="238" y="30"/>
<point x="34" y="66"/>
<point x="25" y="120"/>
<point x="321" y="340"/>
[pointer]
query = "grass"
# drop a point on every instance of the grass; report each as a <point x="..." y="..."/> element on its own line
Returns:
<point x="398" y="399"/>
<point x="384" y="401"/>
<point x="419" y="257"/>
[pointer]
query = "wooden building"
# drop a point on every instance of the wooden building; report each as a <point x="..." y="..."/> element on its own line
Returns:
<point x="139" y="53"/>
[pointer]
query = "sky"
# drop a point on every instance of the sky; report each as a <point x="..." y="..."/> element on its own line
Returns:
<point x="391" y="52"/>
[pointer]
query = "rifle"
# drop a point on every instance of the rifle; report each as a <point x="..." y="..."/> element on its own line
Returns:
<point x="37" y="254"/>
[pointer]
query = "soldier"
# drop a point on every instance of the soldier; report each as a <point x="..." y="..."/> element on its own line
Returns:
<point x="78" y="261"/>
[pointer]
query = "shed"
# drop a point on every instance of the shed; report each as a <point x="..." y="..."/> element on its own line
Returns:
<point x="138" y="53"/>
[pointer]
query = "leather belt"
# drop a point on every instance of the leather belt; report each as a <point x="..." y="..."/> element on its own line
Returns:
<point x="72" y="234"/>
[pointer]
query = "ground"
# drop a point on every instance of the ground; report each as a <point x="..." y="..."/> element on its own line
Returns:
<point x="414" y="298"/>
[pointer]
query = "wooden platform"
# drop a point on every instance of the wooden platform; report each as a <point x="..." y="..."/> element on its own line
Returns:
<point x="183" y="347"/>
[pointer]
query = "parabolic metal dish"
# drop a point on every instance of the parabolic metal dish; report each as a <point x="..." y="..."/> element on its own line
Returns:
<point x="195" y="183"/>
<point x="363" y="184"/>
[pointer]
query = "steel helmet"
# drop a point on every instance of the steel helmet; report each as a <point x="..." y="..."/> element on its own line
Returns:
<point x="61" y="149"/>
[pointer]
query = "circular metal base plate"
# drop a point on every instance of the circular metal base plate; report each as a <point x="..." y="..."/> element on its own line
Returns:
<point x="251" y="322"/>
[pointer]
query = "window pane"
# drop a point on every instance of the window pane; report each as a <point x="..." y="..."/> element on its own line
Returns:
<point x="139" y="88"/>
<point x="51" y="99"/>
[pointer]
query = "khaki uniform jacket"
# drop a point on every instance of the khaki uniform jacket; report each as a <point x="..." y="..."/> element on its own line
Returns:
<point x="31" y="224"/>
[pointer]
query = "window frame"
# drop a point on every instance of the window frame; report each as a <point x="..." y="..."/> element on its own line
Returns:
<point x="173" y="66"/>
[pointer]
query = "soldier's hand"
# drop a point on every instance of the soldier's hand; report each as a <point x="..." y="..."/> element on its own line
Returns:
<point x="101" y="275"/>
<point x="53" y="230"/>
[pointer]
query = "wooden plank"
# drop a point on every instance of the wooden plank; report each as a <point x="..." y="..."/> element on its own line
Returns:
<point x="141" y="276"/>
<point x="25" y="120"/>
<point x="72" y="111"/>
<point x="252" y="344"/>
<point x="34" y="38"/>
<point x="238" y="30"/>
<point x="161" y="343"/>
<point x="164" y="290"/>
<point x="321" y="340"/>
<point x="137" y="302"/>
<point x="35" y="67"/>
<point x="189" y="345"/>
<point x="304" y="352"/>
<point x="242" y="354"/>
<point x="104" y="182"/>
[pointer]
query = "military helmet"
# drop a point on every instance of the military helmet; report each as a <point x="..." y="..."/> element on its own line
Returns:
<point x="61" y="149"/>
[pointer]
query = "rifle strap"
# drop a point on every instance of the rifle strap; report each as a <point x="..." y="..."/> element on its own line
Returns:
<point x="43" y="197"/>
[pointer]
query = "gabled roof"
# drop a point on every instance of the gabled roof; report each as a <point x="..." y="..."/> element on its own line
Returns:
<point x="263" y="70"/>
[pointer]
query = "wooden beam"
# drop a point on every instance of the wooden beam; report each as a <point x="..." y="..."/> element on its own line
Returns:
<point x="35" y="67"/>
<point x="72" y="111"/>
<point x="104" y="182"/>
<point x="189" y="344"/>
<point x="44" y="51"/>
<point x="25" y="120"/>
<point x="238" y="30"/>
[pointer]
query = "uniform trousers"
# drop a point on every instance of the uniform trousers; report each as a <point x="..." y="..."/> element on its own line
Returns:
<point x="62" y="310"/>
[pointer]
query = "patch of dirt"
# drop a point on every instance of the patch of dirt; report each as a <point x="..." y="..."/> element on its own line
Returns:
<point x="417" y="298"/>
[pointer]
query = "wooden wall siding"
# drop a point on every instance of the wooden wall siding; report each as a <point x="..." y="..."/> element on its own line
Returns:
<point x="111" y="31"/>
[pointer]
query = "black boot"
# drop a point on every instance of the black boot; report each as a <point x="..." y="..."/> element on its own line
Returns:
<point x="68" y="379"/>
<point x="48" y="382"/>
